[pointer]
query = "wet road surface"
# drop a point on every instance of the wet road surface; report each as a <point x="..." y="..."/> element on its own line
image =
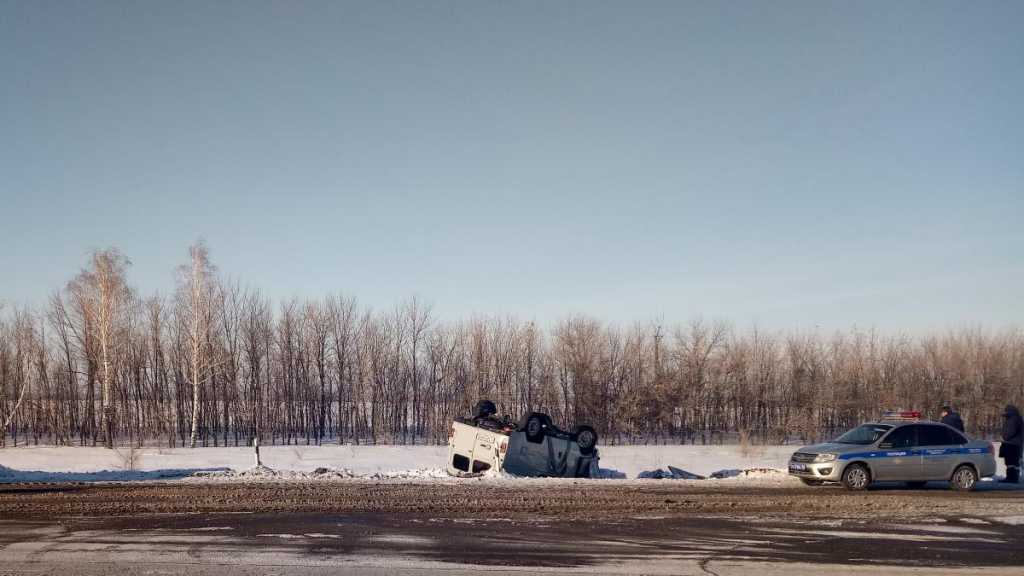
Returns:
<point x="403" y="528"/>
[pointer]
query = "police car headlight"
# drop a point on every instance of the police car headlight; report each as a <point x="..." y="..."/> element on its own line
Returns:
<point x="824" y="457"/>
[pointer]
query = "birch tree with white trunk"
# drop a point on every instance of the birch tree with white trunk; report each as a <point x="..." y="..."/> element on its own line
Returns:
<point x="195" y="311"/>
<point x="103" y="295"/>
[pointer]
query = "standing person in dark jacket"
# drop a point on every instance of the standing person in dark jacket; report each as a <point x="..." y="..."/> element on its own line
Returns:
<point x="952" y="418"/>
<point x="1013" y="440"/>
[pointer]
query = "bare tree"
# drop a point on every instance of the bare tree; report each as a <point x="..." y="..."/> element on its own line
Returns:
<point x="256" y="330"/>
<point x="21" y="343"/>
<point x="342" y="315"/>
<point x="99" y="364"/>
<point x="196" y="290"/>
<point x="417" y="315"/>
<point x="102" y="296"/>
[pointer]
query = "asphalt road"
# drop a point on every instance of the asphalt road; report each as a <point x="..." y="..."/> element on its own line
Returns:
<point x="588" y="527"/>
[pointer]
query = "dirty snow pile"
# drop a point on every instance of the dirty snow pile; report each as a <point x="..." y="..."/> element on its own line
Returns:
<point x="673" y="473"/>
<point x="265" y="473"/>
<point x="754" y="473"/>
<point x="417" y="474"/>
<point x="499" y="474"/>
<point x="262" y="472"/>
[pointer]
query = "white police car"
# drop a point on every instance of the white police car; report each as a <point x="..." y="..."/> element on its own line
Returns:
<point x="899" y="447"/>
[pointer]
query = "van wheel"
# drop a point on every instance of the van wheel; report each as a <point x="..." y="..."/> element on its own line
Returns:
<point x="856" y="477"/>
<point x="964" y="478"/>
<point x="483" y="409"/>
<point x="586" y="439"/>
<point x="534" y="427"/>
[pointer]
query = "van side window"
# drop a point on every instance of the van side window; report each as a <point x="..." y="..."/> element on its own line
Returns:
<point x="460" y="462"/>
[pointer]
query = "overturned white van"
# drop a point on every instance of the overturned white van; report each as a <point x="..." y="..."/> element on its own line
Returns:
<point x="532" y="447"/>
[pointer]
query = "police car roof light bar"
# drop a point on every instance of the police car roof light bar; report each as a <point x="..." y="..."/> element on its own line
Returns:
<point x="909" y="415"/>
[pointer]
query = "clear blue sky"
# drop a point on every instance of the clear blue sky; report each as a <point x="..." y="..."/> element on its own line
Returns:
<point x="790" y="164"/>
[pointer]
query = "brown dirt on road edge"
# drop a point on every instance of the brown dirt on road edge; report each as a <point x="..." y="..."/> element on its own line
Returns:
<point x="585" y="500"/>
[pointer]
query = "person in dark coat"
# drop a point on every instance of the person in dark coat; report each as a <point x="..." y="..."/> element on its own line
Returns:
<point x="1013" y="441"/>
<point x="952" y="419"/>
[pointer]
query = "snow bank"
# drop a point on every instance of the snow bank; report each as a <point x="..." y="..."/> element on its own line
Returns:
<point x="331" y="462"/>
<point x="417" y="474"/>
<point x="750" y="473"/>
<point x="701" y="460"/>
<point x="262" y="472"/>
<point x="8" y="475"/>
<point x="360" y="460"/>
<point x="84" y="464"/>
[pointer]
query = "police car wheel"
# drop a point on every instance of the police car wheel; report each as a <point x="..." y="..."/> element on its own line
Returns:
<point x="856" y="477"/>
<point x="964" y="479"/>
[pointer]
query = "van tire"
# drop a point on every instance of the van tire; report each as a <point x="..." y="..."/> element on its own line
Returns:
<point x="586" y="439"/>
<point x="483" y="409"/>
<point x="535" y="426"/>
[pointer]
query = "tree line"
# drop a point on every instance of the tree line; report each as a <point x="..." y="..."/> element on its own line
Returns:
<point x="217" y="364"/>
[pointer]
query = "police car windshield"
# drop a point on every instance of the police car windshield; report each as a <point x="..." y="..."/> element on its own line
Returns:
<point x="865" y="434"/>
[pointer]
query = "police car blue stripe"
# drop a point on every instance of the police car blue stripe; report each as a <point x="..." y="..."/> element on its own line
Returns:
<point x="916" y="452"/>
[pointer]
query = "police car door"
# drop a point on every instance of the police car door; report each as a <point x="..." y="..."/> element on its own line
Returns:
<point x="938" y="449"/>
<point x="898" y="458"/>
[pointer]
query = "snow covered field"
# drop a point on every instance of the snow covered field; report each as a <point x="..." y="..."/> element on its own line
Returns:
<point x="98" y="464"/>
<point x="52" y="464"/>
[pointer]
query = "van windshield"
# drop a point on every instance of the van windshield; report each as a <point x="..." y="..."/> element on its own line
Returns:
<point x="864" y="435"/>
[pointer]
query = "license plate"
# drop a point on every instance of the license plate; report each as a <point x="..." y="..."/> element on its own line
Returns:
<point x="797" y="467"/>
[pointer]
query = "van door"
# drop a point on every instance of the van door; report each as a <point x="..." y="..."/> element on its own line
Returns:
<point x="460" y="448"/>
<point x="485" y="451"/>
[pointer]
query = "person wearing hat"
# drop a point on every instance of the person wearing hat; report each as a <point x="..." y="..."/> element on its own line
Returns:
<point x="952" y="419"/>
<point x="1013" y="440"/>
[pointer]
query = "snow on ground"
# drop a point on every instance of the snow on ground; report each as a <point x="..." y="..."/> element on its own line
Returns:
<point x="359" y="459"/>
<point x="758" y="464"/>
<point x="703" y="460"/>
<point x="383" y="462"/>
<point x="8" y="475"/>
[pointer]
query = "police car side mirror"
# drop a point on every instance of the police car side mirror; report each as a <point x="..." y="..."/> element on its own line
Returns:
<point x="885" y="445"/>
